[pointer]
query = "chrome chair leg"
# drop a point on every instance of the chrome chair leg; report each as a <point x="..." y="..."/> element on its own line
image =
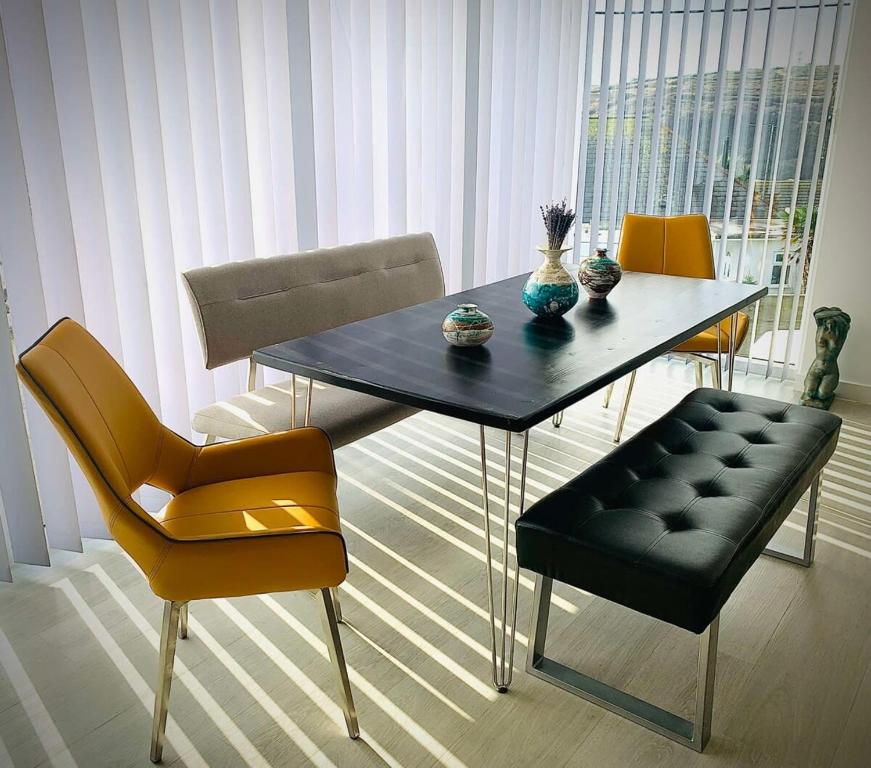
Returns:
<point x="210" y="439"/>
<point x="557" y="419"/>
<point x="609" y="390"/>
<point x="337" y="605"/>
<point x="337" y="657"/>
<point x="700" y="378"/>
<point x="693" y="734"/>
<point x="183" y="622"/>
<point x="806" y="556"/>
<point x="168" y="634"/>
<point x="624" y="407"/>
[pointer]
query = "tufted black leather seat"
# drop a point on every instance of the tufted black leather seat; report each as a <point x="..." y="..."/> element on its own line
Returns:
<point x="670" y="521"/>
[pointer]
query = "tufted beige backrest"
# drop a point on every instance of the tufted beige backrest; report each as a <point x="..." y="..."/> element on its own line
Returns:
<point x="244" y="305"/>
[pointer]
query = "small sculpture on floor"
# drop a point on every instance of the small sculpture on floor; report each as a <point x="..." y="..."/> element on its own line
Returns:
<point x="822" y="376"/>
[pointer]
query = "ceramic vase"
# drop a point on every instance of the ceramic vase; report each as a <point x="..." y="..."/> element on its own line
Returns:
<point x="551" y="291"/>
<point x="599" y="274"/>
<point x="467" y="326"/>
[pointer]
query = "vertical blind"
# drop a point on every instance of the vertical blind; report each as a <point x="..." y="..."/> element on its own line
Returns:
<point x="140" y="138"/>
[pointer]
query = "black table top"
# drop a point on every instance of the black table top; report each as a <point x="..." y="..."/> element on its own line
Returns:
<point x="531" y="368"/>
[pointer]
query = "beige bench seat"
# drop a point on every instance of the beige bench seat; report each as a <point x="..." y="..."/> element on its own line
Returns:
<point x="344" y="415"/>
<point x="242" y="306"/>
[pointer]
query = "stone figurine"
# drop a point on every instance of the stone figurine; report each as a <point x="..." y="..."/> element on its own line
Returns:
<point x="822" y="376"/>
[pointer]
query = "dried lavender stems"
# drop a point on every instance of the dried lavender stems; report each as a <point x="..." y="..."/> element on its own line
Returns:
<point x="558" y="219"/>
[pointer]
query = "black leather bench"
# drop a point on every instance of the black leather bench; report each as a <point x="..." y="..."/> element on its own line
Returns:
<point x="668" y="524"/>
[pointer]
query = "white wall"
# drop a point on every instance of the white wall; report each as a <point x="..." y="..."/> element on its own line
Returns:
<point x="841" y="267"/>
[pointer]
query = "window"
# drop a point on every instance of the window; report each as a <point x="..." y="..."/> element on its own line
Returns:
<point x="718" y="107"/>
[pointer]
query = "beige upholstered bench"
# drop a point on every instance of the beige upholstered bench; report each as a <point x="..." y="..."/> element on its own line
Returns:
<point x="245" y="305"/>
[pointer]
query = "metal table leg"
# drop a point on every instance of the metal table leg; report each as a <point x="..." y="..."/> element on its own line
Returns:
<point x="502" y="662"/>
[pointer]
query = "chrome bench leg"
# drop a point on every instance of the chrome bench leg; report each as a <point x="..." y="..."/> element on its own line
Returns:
<point x="694" y="734"/>
<point x="806" y="556"/>
<point x="502" y="662"/>
<point x="557" y="419"/>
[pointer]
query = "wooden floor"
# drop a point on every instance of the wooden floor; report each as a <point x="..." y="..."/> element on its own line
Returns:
<point x="253" y="686"/>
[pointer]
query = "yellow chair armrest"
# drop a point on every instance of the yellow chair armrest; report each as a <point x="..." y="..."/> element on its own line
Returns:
<point x="307" y="449"/>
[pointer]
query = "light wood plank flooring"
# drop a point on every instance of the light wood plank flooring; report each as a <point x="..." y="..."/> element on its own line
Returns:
<point x="253" y="686"/>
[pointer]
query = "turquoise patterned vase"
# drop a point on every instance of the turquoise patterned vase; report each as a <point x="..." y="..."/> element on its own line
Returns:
<point x="467" y="326"/>
<point x="551" y="291"/>
<point x="599" y="274"/>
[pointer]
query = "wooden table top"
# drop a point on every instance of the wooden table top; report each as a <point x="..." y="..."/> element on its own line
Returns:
<point x="531" y="368"/>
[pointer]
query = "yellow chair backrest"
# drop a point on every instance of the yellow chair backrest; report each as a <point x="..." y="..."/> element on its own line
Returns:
<point x="667" y="245"/>
<point x="109" y="428"/>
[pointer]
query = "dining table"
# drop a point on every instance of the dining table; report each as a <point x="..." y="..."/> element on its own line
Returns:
<point x="528" y="372"/>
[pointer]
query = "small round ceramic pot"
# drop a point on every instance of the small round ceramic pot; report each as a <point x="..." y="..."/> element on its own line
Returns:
<point x="599" y="274"/>
<point x="551" y="291"/>
<point x="467" y="326"/>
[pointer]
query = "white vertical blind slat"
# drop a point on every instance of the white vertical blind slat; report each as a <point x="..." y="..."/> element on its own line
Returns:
<point x="396" y="110"/>
<point x="616" y="163"/>
<point x="580" y="196"/>
<point x="22" y="537"/>
<point x="714" y="141"/>
<point x="283" y="195"/>
<point x="252" y="54"/>
<point x="638" y="114"/>
<point x="456" y="155"/>
<point x="308" y="107"/>
<point x="43" y="272"/>
<point x="757" y="139"/>
<point x="678" y="103"/>
<point x="692" y="154"/>
<point x="659" y="97"/>
<point x="736" y="133"/>
<point x="602" y="124"/>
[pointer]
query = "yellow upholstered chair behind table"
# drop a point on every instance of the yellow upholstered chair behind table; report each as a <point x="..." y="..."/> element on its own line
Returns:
<point x="681" y="246"/>
<point x="247" y="517"/>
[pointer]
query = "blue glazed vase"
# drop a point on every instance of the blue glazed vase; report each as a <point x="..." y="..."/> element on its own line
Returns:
<point x="467" y="326"/>
<point x="551" y="291"/>
<point x="599" y="273"/>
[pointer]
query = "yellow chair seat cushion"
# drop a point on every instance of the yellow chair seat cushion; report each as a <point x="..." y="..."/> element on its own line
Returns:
<point x="255" y="535"/>
<point x="706" y="341"/>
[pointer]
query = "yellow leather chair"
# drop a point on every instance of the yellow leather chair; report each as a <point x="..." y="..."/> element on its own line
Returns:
<point x="247" y="517"/>
<point x="677" y="245"/>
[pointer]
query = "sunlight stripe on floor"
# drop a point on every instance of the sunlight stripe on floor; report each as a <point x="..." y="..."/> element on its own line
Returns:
<point x="436" y="654"/>
<point x="6" y="758"/>
<point x="410" y="726"/>
<point x="174" y="734"/>
<point x="247" y="751"/>
<point x="525" y="581"/>
<point x="52" y="742"/>
<point x="302" y="681"/>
